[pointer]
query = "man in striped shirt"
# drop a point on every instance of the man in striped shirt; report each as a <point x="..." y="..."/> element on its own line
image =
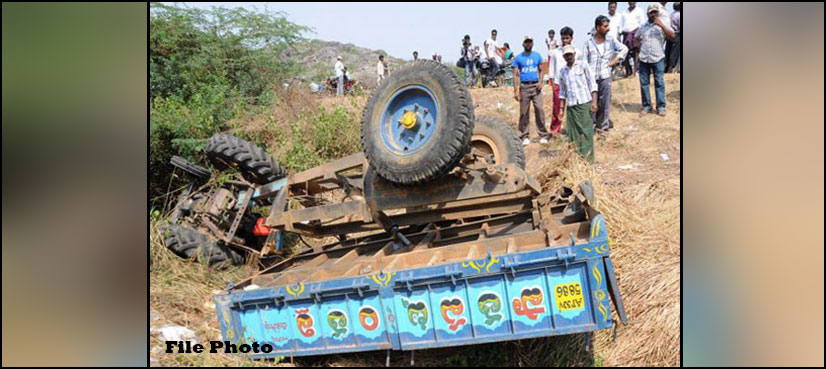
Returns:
<point x="578" y="93"/>
<point x="602" y="52"/>
<point x="555" y="63"/>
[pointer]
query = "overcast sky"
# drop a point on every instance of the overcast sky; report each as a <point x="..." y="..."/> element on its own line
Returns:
<point x="400" y="28"/>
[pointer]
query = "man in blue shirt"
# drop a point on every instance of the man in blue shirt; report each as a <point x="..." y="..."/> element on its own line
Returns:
<point x="528" y="72"/>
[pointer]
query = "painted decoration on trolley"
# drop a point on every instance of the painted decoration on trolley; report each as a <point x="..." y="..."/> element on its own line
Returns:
<point x="276" y="327"/>
<point x="368" y="322"/>
<point x="337" y="329"/>
<point x="490" y="305"/>
<point x="451" y="315"/>
<point x="337" y="321"/>
<point x="369" y="318"/>
<point x="489" y="310"/>
<point x="414" y="317"/>
<point x="307" y="327"/>
<point x="416" y="313"/>
<point x="304" y="322"/>
<point x="529" y="302"/>
<point x="452" y="309"/>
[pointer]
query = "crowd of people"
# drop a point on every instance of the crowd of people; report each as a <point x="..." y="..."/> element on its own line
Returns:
<point x="620" y="45"/>
<point x="634" y="41"/>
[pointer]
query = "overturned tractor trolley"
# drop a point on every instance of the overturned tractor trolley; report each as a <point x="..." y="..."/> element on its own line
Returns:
<point x="435" y="237"/>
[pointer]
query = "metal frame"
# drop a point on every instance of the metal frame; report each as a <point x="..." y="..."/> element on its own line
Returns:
<point x="480" y="221"/>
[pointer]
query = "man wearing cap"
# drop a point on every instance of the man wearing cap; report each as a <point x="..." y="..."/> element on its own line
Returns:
<point x="528" y="72"/>
<point x="652" y="35"/>
<point x="578" y="94"/>
<point x="555" y="63"/>
<point x="339" y="76"/>
<point x="602" y="52"/>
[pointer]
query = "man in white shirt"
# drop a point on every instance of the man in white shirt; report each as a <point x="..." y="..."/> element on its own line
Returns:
<point x="339" y="76"/>
<point x="381" y="70"/>
<point x="675" y="44"/>
<point x="632" y="19"/>
<point x="555" y="63"/>
<point x="492" y="53"/>
<point x="615" y="20"/>
<point x="552" y="43"/>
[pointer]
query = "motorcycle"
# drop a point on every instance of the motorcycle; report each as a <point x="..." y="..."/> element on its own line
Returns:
<point x="332" y="84"/>
<point x="485" y="72"/>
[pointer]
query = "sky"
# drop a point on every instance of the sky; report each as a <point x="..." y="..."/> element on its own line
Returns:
<point x="400" y="28"/>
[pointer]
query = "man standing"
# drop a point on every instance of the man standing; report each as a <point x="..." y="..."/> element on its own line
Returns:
<point x="466" y="53"/>
<point x="602" y="51"/>
<point x="550" y="42"/>
<point x="339" y="76"/>
<point x="415" y="55"/>
<point x="493" y="54"/>
<point x="555" y="63"/>
<point x="615" y="19"/>
<point x="528" y="72"/>
<point x="632" y="19"/>
<point x="666" y="19"/>
<point x="381" y="70"/>
<point x="651" y="35"/>
<point x="674" y="56"/>
<point x="578" y="92"/>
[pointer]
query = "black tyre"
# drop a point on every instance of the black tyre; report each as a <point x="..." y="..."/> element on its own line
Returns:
<point x="417" y="123"/>
<point x="195" y="170"/>
<point x="496" y="140"/>
<point x="188" y="243"/>
<point x="255" y="164"/>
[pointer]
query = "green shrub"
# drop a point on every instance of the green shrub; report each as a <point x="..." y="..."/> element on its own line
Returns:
<point x="207" y="67"/>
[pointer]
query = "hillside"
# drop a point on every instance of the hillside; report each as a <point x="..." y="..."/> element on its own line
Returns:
<point x="318" y="58"/>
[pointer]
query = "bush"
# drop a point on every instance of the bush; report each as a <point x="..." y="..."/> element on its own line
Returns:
<point x="208" y="67"/>
<point x="322" y="136"/>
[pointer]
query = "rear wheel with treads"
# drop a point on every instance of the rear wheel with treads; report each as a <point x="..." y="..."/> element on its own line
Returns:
<point x="255" y="164"/>
<point x="189" y="243"/>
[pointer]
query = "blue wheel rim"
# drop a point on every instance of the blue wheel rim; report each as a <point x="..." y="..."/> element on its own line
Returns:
<point x="399" y="139"/>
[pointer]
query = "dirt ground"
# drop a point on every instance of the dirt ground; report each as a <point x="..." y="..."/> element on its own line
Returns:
<point x="636" y="177"/>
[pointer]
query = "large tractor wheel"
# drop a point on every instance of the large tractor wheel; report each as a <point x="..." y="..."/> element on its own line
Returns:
<point x="497" y="142"/>
<point x="188" y="243"/>
<point x="255" y="164"/>
<point x="417" y="124"/>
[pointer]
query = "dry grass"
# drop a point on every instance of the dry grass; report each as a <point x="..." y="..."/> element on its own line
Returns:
<point x="180" y="293"/>
<point x="642" y="210"/>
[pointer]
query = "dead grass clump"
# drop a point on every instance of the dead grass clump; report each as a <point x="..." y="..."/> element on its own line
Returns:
<point x="643" y="224"/>
<point x="180" y="293"/>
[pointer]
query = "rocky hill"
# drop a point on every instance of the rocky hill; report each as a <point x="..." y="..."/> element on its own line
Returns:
<point x="319" y="58"/>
